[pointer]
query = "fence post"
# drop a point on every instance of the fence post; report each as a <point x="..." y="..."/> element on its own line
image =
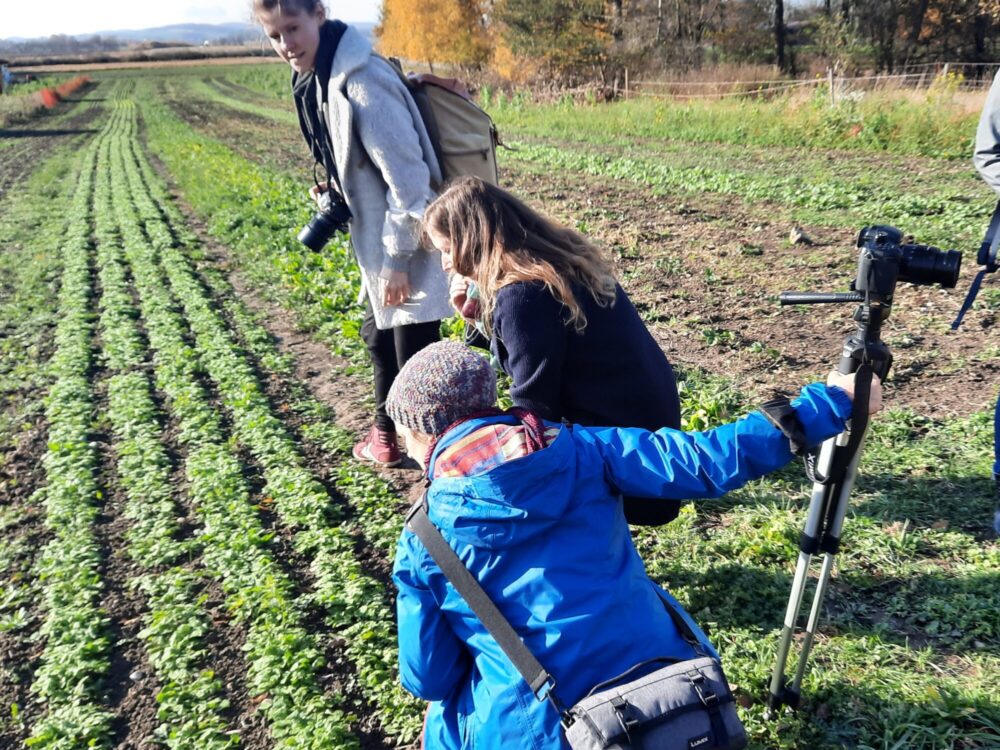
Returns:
<point x="626" y="84"/>
<point x="829" y="78"/>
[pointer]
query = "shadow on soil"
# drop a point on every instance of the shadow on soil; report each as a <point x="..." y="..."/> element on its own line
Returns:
<point x="42" y="133"/>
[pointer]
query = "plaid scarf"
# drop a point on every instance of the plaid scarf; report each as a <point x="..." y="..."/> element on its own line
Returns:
<point x="493" y="444"/>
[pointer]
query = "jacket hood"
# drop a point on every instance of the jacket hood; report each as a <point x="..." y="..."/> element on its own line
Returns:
<point x="510" y="503"/>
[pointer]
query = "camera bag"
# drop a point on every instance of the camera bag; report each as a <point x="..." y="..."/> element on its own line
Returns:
<point x="684" y="705"/>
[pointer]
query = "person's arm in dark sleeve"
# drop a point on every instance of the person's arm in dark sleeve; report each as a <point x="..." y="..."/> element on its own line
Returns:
<point x="530" y="323"/>
<point x="673" y="464"/>
<point x="433" y="662"/>
<point x="986" y="156"/>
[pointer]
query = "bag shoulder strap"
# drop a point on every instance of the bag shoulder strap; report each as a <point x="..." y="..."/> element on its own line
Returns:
<point x="489" y="615"/>
<point x="479" y="601"/>
<point x="687" y="633"/>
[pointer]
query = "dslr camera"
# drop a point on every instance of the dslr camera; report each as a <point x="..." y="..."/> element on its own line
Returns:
<point x="333" y="216"/>
<point x="885" y="254"/>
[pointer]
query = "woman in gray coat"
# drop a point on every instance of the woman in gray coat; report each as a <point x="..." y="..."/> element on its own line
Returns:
<point x="363" y="127"/>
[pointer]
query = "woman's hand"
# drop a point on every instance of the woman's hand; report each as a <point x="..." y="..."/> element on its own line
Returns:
<point x="846" y="382"/>
<point x="458" y="291"/>
<point x="316" y="191"/>
<point x="395" y="288"/>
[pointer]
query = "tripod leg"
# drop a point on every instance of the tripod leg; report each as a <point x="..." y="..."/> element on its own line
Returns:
<point x="830" y="544"/>
<point x="811" y="627"/>
<point x="808" y="545"/>
<point x="777" y="688"/>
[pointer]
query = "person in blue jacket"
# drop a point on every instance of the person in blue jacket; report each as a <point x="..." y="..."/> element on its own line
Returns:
<point x="533" y="508"/>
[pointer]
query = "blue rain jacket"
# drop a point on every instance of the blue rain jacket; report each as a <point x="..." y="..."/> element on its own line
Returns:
<point x="546" y="538"/>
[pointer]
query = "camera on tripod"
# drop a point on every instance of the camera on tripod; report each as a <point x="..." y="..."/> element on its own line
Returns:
<point x="883" y="249"/>
<point x="333" y="216"/>
<point x="884" y="259"/>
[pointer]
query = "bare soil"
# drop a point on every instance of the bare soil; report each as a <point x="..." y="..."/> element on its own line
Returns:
<point x="705" y="274"/>
<point x="706" y="278"/>
<point x="20" y="474"/>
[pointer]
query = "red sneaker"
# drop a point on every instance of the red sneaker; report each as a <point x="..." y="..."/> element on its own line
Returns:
<point x="380" y="447"/>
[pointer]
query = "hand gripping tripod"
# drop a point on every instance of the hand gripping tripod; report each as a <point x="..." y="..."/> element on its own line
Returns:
<point x="883" y="260"/>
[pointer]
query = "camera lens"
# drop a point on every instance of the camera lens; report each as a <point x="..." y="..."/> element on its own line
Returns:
<point x="923" y="264"/>
<point x="318" y="231"/>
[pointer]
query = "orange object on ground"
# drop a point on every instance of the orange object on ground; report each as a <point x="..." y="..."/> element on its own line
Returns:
<point x="49" y="98"/>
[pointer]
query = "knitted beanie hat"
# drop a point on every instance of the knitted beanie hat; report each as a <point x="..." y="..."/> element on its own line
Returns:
<point x="439" y="385"/>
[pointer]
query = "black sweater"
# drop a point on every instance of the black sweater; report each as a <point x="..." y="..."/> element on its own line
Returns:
<point x="613" y="374"/>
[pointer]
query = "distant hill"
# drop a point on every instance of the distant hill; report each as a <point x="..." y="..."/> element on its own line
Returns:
<point x="188" y="33"/>
<point x="116" y="39"/>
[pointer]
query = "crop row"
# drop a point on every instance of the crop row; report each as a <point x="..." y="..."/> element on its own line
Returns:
<point x="191" y="697"/>
<point x="31" y="223"/>
<point x="356" y="604"/>
<point x="933" y="215"/>
<point x="253" y="211"/>
<point x="373" y="501"/>
<point x="75" y="657"/>
<point x="939" y="217"/>
<point x="282" y="657"/>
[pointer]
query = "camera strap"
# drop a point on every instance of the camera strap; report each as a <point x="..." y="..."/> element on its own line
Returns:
<point x="987" y="258"/>
<point x="859" y="424"/>
<point x="780" y="413"/>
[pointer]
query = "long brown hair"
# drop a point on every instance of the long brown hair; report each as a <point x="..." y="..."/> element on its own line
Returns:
<point x="497" y="240"/>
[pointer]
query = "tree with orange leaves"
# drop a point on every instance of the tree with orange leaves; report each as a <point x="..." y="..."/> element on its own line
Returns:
<point x="434" y="31"/>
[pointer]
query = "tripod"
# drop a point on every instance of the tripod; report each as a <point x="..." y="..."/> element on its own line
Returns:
<point x="882" y="262"/>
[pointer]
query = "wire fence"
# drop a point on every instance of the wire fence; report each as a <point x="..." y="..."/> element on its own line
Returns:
<point x="956" y="76"/>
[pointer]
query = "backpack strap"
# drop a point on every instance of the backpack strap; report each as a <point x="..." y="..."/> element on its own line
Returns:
<point x="419" y="97"/>
<point x="542" y="683"/>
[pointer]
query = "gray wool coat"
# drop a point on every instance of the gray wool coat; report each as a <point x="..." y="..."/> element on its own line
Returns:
<point x="386" y="165"/>
<point x="986" y="156"/>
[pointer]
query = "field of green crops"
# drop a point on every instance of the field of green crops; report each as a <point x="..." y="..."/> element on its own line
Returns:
<point x="191" y="558"/>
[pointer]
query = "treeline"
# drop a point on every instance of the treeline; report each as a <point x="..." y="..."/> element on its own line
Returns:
<point x="570" y="41"/>
<point x="60" y="44"/>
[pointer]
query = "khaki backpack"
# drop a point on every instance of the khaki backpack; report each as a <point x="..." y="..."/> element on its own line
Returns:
<point x="464" y="137"/>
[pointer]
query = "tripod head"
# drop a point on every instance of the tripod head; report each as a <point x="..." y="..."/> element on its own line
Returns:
<point x="883" y="260"/>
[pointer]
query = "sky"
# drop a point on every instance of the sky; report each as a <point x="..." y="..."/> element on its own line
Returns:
<point x="20" y="18"/>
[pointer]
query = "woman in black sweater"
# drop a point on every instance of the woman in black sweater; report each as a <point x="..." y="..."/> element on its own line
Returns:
<point x="557" y="320"/>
